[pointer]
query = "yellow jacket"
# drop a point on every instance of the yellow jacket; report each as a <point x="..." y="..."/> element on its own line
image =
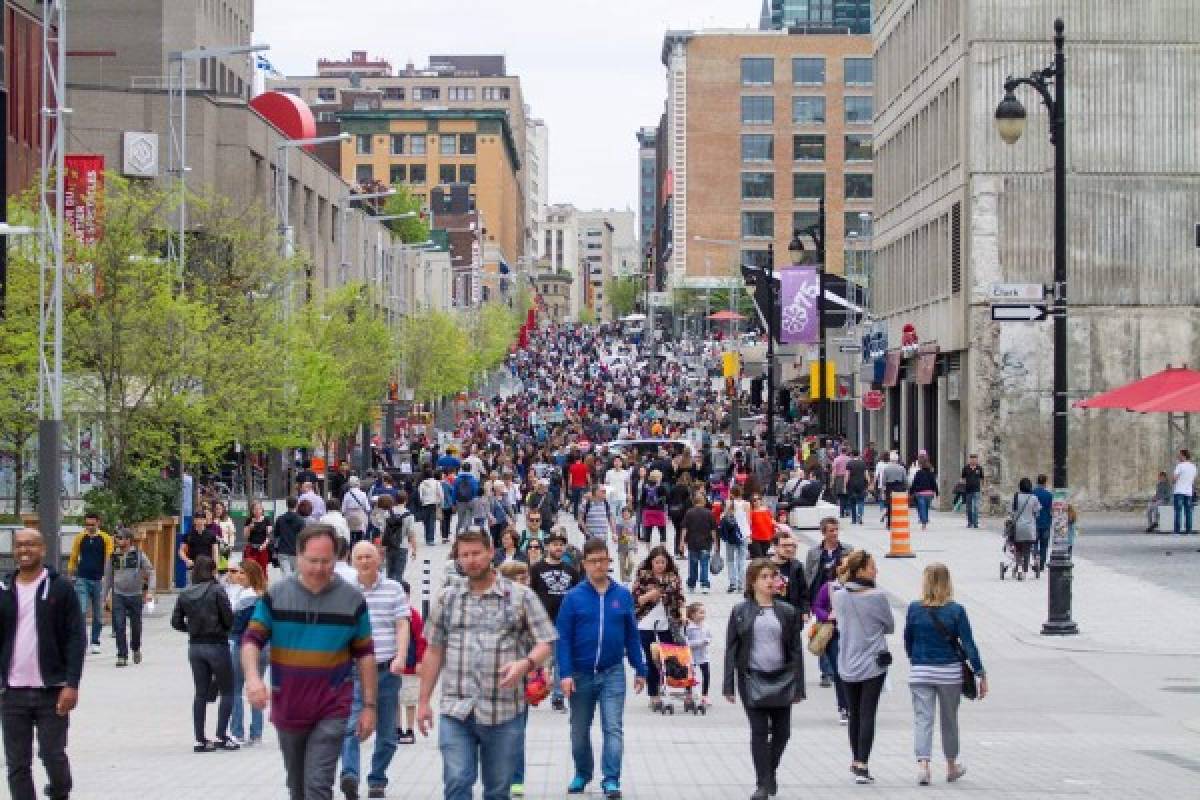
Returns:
<point x="73" y="561"/>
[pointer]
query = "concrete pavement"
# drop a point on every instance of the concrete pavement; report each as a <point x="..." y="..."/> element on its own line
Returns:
<point x="1113" y="712"/>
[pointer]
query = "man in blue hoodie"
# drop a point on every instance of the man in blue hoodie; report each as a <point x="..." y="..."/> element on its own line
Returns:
<point x="597" y="629"/>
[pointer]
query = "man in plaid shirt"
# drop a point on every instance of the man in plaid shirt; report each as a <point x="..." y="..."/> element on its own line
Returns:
<point x="475" y="635"/>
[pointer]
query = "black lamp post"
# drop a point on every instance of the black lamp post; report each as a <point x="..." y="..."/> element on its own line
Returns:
<point x="1010" y="123"/>
<point x="772" y="326"/>
<point x="796" y="247"/>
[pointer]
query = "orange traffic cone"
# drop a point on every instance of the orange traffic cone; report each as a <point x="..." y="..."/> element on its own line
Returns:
<point x="901" y="543"/>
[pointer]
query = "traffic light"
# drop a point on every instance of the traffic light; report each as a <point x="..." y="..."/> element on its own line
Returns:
<point x="814" y="380"/>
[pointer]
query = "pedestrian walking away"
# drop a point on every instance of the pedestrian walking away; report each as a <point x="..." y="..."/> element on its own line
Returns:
<point x="764" y="666"/>
<point x="42" y="645"/>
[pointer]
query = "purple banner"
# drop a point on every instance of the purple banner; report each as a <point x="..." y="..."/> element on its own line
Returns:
<point x="798" y="323"/>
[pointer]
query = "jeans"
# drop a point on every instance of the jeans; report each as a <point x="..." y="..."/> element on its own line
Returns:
<point x="1043" y="546"/>
<point x="1183" y="513"/>
<point x="736" y="556"/>
<point x="972" y="499"/>
<point x="831" y="658"/>
<point x="397" y="560"/>
<point x="856" y="502"/>
<point x="469" y="749"/>
<point x="519" y="762"/>
<point x="91" y="593"/>
<point x="606" y="689"/>
<point x="946" y="698"/>
<point x="237" y="717"/>
<point x="127" y="607"/>
<point x="463" y="512"/>
<point x="23" y="711"/>
<point x="770" y="729"/>
<point x="576" y="495"/>
<point x="388" y="702"/>
<point x="211" y="663"/>
<point x="428" y="518"/>
<point x="653" y="676"/>
<point x="310" y="758"/>
<point x="697" y="565"/>
<point x="924" y="501"/>
<point x="862" y="703"/>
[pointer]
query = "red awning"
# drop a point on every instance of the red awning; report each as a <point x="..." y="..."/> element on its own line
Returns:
<point x="1174" y="390"/>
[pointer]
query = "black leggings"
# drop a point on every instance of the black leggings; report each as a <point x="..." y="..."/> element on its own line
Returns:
<point x="211" y="663"/>
<point x="770" y="729"/>
<point x="447" y="514"/>
<point x="862" y="701"/>
<point x="648" y="533"/>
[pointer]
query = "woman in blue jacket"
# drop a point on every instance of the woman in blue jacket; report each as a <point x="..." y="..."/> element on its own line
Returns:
<point x="934" y="623"/>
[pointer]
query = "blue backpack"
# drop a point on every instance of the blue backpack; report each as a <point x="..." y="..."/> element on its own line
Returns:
<point x="729" y="530"/>
<point x="464" y="488"/>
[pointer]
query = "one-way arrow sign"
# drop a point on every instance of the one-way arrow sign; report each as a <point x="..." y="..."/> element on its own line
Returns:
<point x="1012" y="313"/>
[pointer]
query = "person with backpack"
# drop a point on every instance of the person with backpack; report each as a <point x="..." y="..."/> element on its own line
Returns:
<point x="653" y="503"/>
<point x="737" y="550"/>
<point x="466" y="487"/>
<point x="595" y="515"/>
<point x="399" y="536"/>
<point x="449" y="502"/>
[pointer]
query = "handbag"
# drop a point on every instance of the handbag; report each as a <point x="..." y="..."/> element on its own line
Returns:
<point x="819" y="636"/>
<point x="970" y="689"/>
<point x="716" y="563"/>
<point x="769" y="689"/>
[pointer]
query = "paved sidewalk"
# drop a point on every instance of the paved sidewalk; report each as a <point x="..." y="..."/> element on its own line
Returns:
<point x="1113" y="712"/>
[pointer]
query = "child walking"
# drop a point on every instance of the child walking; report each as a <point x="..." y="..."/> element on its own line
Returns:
<point x="699" y="638"/>
<point x="626" y="535"/>
<point x="410" y="684"/>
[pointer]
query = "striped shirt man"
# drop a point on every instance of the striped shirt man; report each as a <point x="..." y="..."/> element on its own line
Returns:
<point x="386" y="603"/>
<point x="596" y="516"/>
<point x="315" y="639"/>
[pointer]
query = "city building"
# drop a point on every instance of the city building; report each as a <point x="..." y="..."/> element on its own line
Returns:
<point x="537" y="183"/>
<point x="959" y="210"/>
<point x="647" y="138"/>
<point x="760" y="127"/>
<point x="562" y="251"/>
<point x="21" y="84"/>
<point x="850" y="15"/>
<point x="552" y="287"/>
<point x="608" y="250"/>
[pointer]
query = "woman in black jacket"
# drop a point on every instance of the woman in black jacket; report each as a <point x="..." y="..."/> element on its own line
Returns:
<point x="924" y="488"/>
<point x="764" y="658"/>
<point x="203" y="612"/>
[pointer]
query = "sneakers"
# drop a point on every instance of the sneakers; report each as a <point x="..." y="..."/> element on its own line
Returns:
<point x="137" y="656"/>
<point x="843" y="716"/>
<point x="517" y="790"/>
<point x="349" y="786"/>
<point x="204" y="747"/>
<point x="923" y="778"/>
<point x="611" y="789"/>
<point x="228" y="743"/>
<point x="376" y="791"/>
<point x="705" y="589"/>
<point x="558" y="704"/>
<point x="405" y="737"/>
<point x="122" y="661"/>
<point x="955" y="772"/>
<point x="825" y="682"/>
<point x="95" y="648"/>
<point x="862" y="776"/>
<point x="577" y="785"/>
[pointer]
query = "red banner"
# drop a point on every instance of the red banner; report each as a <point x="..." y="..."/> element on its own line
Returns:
<point x="83" y="187"/>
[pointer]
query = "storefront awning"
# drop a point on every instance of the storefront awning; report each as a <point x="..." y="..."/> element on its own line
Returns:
<point x="1173" y="390"/>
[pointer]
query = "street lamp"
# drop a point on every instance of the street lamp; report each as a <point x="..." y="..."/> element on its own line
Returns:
<point x="1010" y="124"/>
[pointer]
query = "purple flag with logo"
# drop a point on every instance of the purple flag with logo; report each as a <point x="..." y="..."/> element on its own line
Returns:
<point x="798" y="322"/>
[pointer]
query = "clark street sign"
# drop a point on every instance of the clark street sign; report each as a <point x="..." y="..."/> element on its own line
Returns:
<point x="1011" y="313"/>
<point x="1016" y="292"/>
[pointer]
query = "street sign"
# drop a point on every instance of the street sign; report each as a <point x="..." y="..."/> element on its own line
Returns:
<point x="1008" y="292"/>
<point x="873" y="400"/>
<point x="850" y="348"/>
<point x="1011" y="313"/>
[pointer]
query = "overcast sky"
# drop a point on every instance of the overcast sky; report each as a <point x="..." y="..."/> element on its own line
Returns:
<point x="589" y="68"/>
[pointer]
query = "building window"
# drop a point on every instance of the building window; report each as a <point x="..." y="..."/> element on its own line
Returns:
<point x="362" y="144"/>
<point x="397" y="173"/>
<point x="326" y="116"/>
<point x="808" y="147"/>
<point x="447" y="173"/>
<point x="859" y="187"/>
<point x="466" y="144"/>
<point x="859" y="110"/>
<point x="758" y="224"/>
<point x="859" y="147"/>
<point x="416" y="144"/>
<point x="495" y="93"/>
<point x="427" y="93"/>
<point x="758" y="147"/>
<point x="758" y="185"/>
<point x="808" y="110"/>
<point x="327" y="94"/>
<point x="855" y="224"/>
<point x="755" y="258"/>
<point x="758" y="110"/>
<point x="804" y="222"/>
<point x="461" y="93"/>
<point x="860" y="71"/>
<point x="397" y="144"/>
<point x="364" y="173"/>
<point x="416" y="174"/>
<point x="808" y="185"/>
<point x="808" y="71"/>
<point x="393" y="93"/>
<point x="448" y="144"/>
<point x="758" y="71"/>
<point x="466" y="173"/>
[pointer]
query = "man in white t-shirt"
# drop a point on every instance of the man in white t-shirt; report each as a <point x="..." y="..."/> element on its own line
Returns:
<point x="1184" y="491"/>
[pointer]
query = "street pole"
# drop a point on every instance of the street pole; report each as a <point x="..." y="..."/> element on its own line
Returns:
<point x="823" y="391"/>
<point x="771" y="453"/>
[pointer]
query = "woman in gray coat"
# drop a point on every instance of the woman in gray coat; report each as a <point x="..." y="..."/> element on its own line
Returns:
<point x="864" y="620"/>
<point x="1025" y="508"/>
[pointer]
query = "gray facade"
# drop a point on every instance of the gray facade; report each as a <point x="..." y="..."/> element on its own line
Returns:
<point x="958" y="210"/>
<point x="647" y="187"/>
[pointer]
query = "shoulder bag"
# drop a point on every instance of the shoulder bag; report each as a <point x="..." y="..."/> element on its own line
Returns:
<point x="818" y="638"/>
<point x="775" y="689"/>
<point x="970" y="689"/>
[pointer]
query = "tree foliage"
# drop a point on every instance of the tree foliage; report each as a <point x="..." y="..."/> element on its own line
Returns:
<point x="411" y="230"/>
<point x="623" y="294"/>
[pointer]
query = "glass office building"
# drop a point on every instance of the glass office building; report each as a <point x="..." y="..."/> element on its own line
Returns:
<point x="854" y="15"/>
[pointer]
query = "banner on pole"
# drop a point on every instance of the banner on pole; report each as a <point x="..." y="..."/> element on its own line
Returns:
<point x="798" y="314"/>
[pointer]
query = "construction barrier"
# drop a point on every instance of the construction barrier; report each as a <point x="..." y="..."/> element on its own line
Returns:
<point x="901" y="545"/>
<point x="426" y="588"/>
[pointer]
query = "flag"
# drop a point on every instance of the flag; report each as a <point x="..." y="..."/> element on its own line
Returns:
<point x="261" y="63"/>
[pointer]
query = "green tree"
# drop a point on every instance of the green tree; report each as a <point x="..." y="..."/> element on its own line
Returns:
<point x="19" y="363"/>
<point x="436" y="355"/>
<point x="623" y="294"/>
<point x="410" y="230"/>
<point x="587" y="316"/>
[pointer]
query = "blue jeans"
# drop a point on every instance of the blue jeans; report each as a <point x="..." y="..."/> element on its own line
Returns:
<point x="519" y="763"/>
<point x="856" y="502"/>
<point x="735" y="562"/>
<point x="387" y="703"/>
<point x="1183" y="513"/>
<point x="238" y="717"/>
<point x="91" y="593"/>
<point x="972" y="499"/>
<point x="469" y="748"/>
<point x="923" y="503"/>
<point x="606" y="689"/>
<point x="1043" y="546"/>
<point x="697" y="564"/>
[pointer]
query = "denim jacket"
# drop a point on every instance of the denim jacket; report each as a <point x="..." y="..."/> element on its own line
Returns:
<point x="925" y="644"/>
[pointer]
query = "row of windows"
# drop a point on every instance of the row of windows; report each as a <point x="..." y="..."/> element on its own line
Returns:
<point x="805" y="147"/>
<point x="806" y="110"/>
<point x="806" y="185"/>
<point x="914" y="41"/>
<point x="761" y="224"/>
<point x="807" y="71"/>
<point x="924" y="148"/>
<point x="417" y="174"/>
<point x="449" y="144"/>
<point x="462" y="94"/>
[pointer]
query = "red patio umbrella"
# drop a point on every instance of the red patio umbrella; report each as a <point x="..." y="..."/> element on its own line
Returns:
<point x="726" y="316"/>
<point x="1180" y="401"/>
<point x="1179" y="385"/>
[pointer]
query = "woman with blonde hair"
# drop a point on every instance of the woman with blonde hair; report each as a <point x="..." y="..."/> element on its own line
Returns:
<point x="937" y="639"/>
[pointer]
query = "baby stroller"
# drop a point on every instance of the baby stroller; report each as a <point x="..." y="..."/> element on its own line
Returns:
<point x="674" y="662"/>
<point x="1010" y="564"/>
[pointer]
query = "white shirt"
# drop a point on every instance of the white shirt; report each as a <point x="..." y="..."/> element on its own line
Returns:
<point x="338" y="522"/>
<point x="617" y="481"/>
<point x="1185" y="478"/>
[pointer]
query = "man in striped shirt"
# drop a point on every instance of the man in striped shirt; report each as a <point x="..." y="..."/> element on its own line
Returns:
<point x="595" y="515"/>
<point x="318" y="628"/>
<point x="388" y="606"/>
